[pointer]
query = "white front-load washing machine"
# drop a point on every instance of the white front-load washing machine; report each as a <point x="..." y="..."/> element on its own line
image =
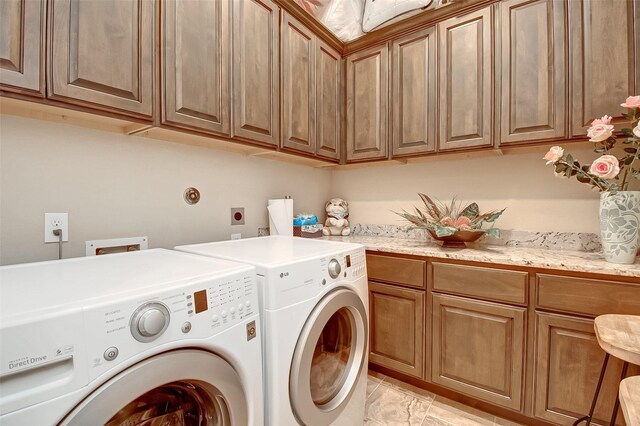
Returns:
<point x="144" y="338"/>
<point x="314" y="310"/>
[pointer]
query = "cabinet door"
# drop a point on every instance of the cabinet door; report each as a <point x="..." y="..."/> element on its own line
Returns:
<point x="101" y="54"/>
<point x="567" y="366"/>
<point x="413" y="97"/>
<point x="367" y="93"/>
<point x="396" y="318"/>
<point x="298" y="86"/>
<point x="22" y="27"/>
<point x="466" y="80"/>
<point x="532" y="102"/>
<point x="256" y="70"/>
<point x="478" y="349"/>
<point x="196" y="62"/>
<point x="604" y="70"/>
<point x="328" y="101"/>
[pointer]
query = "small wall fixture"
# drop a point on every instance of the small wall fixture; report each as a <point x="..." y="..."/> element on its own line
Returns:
<point x="191" y="195"/>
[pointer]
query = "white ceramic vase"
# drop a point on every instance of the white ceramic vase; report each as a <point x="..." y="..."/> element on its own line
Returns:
<point x="620" y="225"/>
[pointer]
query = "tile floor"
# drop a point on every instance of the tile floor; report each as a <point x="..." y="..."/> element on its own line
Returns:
<point x="394" y="403"/>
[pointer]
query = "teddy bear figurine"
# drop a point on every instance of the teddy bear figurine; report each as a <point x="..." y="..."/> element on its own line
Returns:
<point x="337" y="213"/>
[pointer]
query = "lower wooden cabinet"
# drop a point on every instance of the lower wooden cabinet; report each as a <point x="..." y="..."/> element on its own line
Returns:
<point x="478" y="349"/>
<point x="396" y="326"/>
<point x="567" y="366"/>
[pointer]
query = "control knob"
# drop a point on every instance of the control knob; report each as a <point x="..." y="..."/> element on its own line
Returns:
<point x="149" y="321"/>
<point x="334" y="268"/>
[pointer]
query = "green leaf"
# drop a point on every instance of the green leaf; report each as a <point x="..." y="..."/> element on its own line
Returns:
<point x="627" y="132"/>
<point x="570" y="160"/>
<point x="599" y="150"/>
<point x="471" y="211"/>
<point x="492" y="217"/>
<point x="637" y="176"/>
<point x="583" y="178"/>
<point x="627" y="160"/>
<point x="493" y="232"/>
<point x="631" y="150"/>
<point x="561" y="168"/>
<point x="444" y="231"/>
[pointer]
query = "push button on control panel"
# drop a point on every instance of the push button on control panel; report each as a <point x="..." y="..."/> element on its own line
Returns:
<point x="186" y="327"/>
<point x="111" y="353"/>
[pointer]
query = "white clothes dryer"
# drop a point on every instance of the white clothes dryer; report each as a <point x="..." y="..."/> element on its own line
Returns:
<point x="141" y="338"/>
<point x="314" y="307"/>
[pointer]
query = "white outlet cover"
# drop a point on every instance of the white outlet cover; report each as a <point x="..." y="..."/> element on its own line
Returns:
<point x="53" y="221"/>
<point x="236" y="236"/>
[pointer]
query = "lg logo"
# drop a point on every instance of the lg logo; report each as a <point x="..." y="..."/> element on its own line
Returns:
<point x="284" y="274"/>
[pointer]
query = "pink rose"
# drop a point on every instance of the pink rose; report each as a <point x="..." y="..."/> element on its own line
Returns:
<point x="554" y="154"/>
<point x="605" y="167"/>
<point x="604" y="120"/>
<point x="632" y="102"/>
<point x="462" y="220"/>
<point x="636" y="130"/>
<point x="600" y="132"/>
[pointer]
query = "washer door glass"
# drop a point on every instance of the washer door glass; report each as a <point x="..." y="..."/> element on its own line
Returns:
<point x="328" y="358"/>
<point x="331" y="357"/>
<point x="177" y="403"/>
<point x="183" y="387"/>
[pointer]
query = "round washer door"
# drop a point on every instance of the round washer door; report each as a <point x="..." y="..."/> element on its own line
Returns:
<point x="328" y="358"/>
<point x="182" y="387"/>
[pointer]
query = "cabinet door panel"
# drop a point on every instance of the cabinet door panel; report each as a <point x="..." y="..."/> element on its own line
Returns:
<point x="328" y="101"/>
<point x="567" y="366"/>
<point x="466" y="80"/>
<point x="256" y="70"/>
<point x="196" y="58"/>
<point x="22" y="27"/>
<point x="533" y="70"/>
<point x="298" y="86"/>
<point x="414" y="93"/>
<point x="478" y="349"/>
<point x="396" y="317"/>
<point x="367" y="92"/>
<point x="604" y="70"/>
<point x="102" y="52"/>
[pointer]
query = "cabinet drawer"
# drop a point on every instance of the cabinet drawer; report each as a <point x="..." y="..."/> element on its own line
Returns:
<point x="485" y="283"/>
<point x="410" y="272"/>
<point x="587" y="296"/>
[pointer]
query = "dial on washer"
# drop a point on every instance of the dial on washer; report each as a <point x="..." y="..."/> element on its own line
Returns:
<point x="149" y="321"/>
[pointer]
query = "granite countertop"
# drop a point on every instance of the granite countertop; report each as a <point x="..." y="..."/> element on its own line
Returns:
<point x="506" y="255"/>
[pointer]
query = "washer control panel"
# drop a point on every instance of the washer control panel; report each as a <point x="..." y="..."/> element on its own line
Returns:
<point x="197" y="310"/>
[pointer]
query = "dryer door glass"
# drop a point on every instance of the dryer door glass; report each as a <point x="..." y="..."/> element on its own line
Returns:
<point x="177" y="403"/>
<point x="329" y="358"/>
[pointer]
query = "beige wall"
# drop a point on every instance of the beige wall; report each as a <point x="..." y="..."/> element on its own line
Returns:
<point x="117" y="186"/>
<point x="535" y="199"/>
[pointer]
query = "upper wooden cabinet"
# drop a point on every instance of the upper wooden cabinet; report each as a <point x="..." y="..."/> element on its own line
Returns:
<point x="466" y="80"/>
<point x="413" y="96"/>
<point x="298" y="86"/>
<point x="22" y="26"/>
<point x="367" y="99"/>
<point x="603" y="36"/>
<point x="101" y="54"/>
<point x="256" y="70"/>
<point x="196" y="60"/>
<point x="532" y="70"/>
<point x="329" y="96"/>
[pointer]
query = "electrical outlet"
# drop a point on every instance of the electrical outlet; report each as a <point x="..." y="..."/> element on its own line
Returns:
<point x="237" y="215"/>
<point x="236" y="236"/>
<point x="56" y="221"/>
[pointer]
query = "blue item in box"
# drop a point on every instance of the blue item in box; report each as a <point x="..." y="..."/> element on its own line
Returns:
<point x="305" y="219"/>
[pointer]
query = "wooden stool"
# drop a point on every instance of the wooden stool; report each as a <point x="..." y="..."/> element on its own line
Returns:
<point x="619" y="336"/>
<point x="630" y="400"/>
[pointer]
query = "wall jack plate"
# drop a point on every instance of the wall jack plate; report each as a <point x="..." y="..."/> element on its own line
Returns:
<point x="56" y="221"/>
<point x="237" y="215"/>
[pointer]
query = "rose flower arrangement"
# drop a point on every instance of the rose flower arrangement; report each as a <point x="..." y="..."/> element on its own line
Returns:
<point x="607" y="173"/>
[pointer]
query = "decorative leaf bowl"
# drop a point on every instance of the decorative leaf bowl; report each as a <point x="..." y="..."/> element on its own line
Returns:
<point x="458" y="238"/>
